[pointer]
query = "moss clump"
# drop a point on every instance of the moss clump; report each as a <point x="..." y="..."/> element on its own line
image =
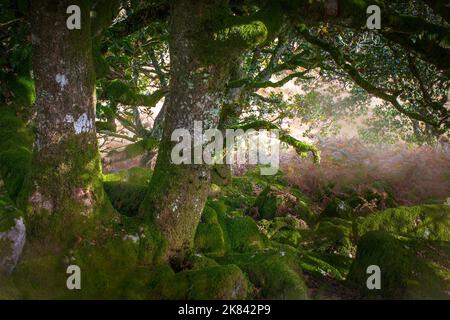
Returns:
<point x="276" y="274"/>
<point x="283" y="229"/>
<point x="426" y="221"/>
<point x="272" y="203"/>
<point x="337" y="208"/>
<point x="214" y="282"/>
<point x="221" y="232"/>
<point x="325" y="265"/>
<point x="409" y="268"/>
<point x="330" y="235"/>
<point x="209" y="238"/>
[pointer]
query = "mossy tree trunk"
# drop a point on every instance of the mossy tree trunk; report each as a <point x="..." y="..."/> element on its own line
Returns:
<point x="64" y="193"/>
<point x="204" y="39"/>
<point x="177" y="193"/>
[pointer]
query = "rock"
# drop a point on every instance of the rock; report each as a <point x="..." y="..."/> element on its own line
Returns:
<point x="409" y="268"/>
<point x="283" y="229"/>
<point x="275" y="273"/>
<point x="222" y="282"/>
<point x="330" y="235"/>
<point x="430" y="222"/>
<point x="337" y="208"/>
<point x="272" y="203"/>
<point x="12" y="233"/>
<point x="220" y="233"/>
<point x="11" y="246"/>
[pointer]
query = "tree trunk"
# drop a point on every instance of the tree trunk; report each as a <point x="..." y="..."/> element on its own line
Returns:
<point x="177" y="193"/>
<point x="64" y="193"/>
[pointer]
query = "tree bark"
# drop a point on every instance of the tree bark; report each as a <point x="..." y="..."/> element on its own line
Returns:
<point x="177" y="193"/>
<point x="64" y="194"/>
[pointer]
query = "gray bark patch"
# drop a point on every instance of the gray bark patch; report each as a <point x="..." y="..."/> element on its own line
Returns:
<point x="16" y="238"/>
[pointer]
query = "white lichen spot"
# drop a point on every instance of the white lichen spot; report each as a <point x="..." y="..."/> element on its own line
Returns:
<point x="15" y="235"/>
<point x="83" y="124"/>
<point x="68" y="118"/>
<point x="61" y="80"/>
<point x="132" y="237"/>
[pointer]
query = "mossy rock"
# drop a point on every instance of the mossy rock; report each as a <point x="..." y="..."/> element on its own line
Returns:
<point x="410" y="269"/>
<point x="330" y="235"/>
<point x="221" y="232"/>
<point x="325" y="265"/>
<point x="273" y="203"/>
<point x="239" y="194"/>
<point x="209" y="238"/>
<point x="243" y="234"/>
<point x="276" y="274"/>
<point x="283" y="229"/>
<point x="337" y="208"/>
<point x="12" y="233"/>
<point x="430" y="222"/>
<point x="222" y="282"/>
<point x="242" y="192"/>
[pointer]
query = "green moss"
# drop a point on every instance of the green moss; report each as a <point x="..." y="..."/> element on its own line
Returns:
<point x="125" y="197"/>
<point x="222" y="232"/>
<point x="323" y="264"/>
<point x="272" y="202"/>
<point x="135" y="175"/>
<point x="337" y="208"/>
<point x="425" y="221"/>
<point x="209" y="239"/>
<point x="8" y="211"/>
<point x="22" y="88"/>
<point x="244" y="234"/>
<point x="409" y="268"/>
<point x="275" y="274"/>
<point x="283" y="229"/>
<point x="15" y="151"/>
<point x="330" y="235"/>
<point x="215" y="282"/>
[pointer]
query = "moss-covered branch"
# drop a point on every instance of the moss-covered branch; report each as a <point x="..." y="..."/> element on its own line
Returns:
<point x="121" y="92"/>
<point x="302" y="148"/>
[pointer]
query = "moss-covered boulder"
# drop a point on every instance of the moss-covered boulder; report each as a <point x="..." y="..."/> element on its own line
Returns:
<point x="409" y="269"/>
<point x="209" y="237"/>
<point x="275" y="273"/>
<point x="283" y="229"/>
<point x="221" y="232"/>
<point x="272" y="203"/>
<point x="337" y="208"/>
<point x="12" y="233"/>
<point x="359" y="200"/>
<point x="322" y="264"/>
<point x="214" y="282"/>
<point x="430" y="222"/>
<point x="330" y="235"/>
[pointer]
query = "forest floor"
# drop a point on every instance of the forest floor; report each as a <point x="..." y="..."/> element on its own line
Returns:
<point x="322" y="212"/>
<point x="309" y="232"/>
